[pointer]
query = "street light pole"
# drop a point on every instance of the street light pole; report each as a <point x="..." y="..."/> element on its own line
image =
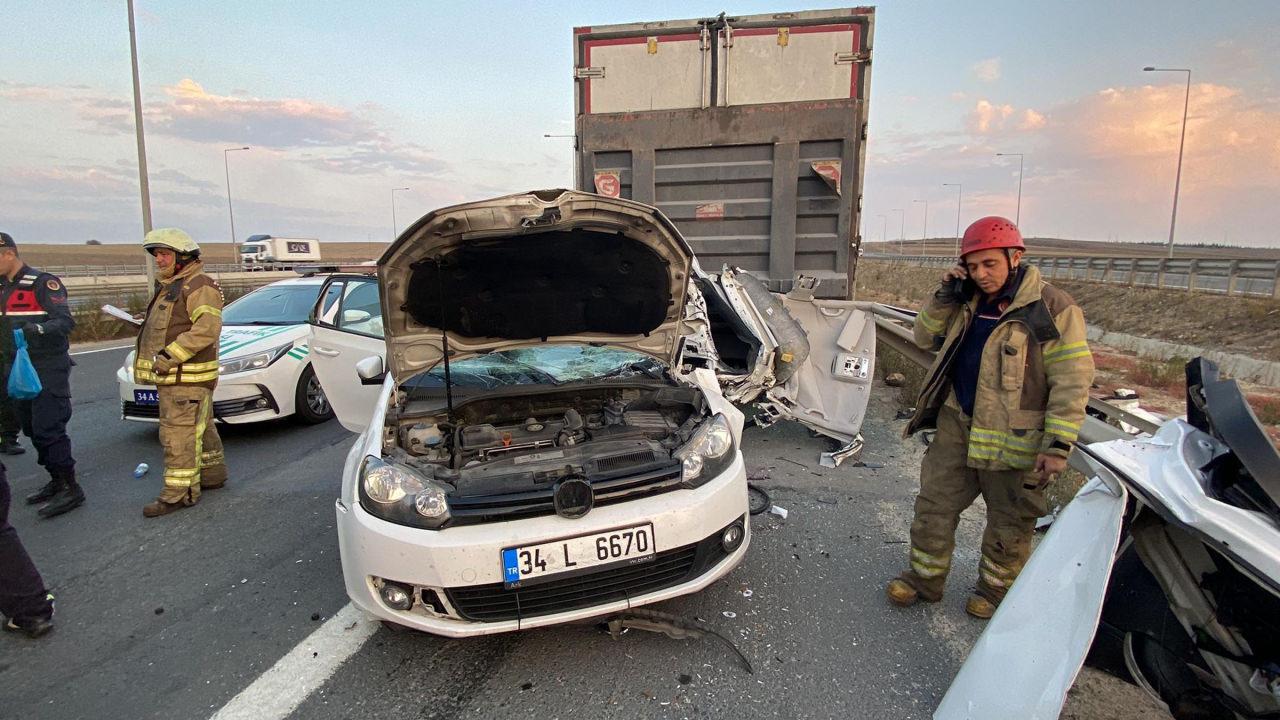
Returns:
<point x="1177" y="181"/>
<point x="902" y="229"/>
<point x="884" y="228"/>
<point x="1017" y="218"/>
<point x="395" y="229"/>
<point x="576" y="184"/>
<point x="925" y="231"/>
<point x="226" y="169"/>
<point x="959" y="201"/>
<point x="142" y="145"/>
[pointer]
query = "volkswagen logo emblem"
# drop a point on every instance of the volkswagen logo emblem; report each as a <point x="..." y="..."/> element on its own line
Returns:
<point x="574" y="498"/>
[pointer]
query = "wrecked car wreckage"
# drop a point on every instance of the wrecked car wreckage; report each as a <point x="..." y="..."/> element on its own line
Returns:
<point x="1164" y="570"/>
<point x="546" y="409"/>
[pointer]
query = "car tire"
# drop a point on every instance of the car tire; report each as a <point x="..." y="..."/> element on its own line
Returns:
<point x="311" y="407"/>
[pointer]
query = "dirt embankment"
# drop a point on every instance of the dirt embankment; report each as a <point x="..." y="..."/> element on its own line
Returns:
<point x="1247" y="326"/>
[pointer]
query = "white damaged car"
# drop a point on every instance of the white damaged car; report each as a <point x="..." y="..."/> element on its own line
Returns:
<point x="576" y="456"/>
<point x="264" y="361"/>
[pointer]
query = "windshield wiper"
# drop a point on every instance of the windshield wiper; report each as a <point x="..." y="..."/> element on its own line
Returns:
<point x="262" y="322"/>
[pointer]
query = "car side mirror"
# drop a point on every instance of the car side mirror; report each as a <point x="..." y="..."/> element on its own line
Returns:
<point x="371" y="369"/>
<point x="351" y="317"/>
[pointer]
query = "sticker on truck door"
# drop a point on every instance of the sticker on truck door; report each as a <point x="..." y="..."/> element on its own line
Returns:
<point x="829" y="171"/>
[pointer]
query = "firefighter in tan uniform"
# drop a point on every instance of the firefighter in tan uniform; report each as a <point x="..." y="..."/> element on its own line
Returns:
<point x="177" y="352"/>
<point x="1007" y="394"/>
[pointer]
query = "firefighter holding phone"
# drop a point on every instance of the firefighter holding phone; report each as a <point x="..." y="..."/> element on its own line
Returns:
<point x="1007" y="395"/>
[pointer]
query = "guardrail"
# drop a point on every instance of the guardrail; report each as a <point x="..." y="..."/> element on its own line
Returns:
<point x="1251" y="278"/>
<point x="893" y="329"/>
<point x="84" y="294"/>
<point x="66" y="271"/>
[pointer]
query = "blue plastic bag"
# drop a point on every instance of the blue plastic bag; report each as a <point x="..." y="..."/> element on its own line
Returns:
<point x="24" y="382"/>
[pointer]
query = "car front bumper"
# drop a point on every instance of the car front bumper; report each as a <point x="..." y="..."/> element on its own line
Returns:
<point x="245" y="397"/>
<point x="456" y="573"/>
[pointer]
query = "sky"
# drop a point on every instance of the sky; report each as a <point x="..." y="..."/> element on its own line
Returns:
<point x="340" y="102"/>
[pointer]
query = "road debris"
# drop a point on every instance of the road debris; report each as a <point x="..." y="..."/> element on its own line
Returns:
<point x="793" y="462"/>
<point x="758" y="501"/>
<point x="779" y="511"/>
<point x="895" y="379"/>
<point x="673" y="626"/>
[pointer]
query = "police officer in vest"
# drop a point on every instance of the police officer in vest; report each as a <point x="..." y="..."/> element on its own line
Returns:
<point x="36" y="303"/>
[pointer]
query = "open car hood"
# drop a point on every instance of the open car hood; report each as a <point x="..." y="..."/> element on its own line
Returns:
<point x="548" y="266"/>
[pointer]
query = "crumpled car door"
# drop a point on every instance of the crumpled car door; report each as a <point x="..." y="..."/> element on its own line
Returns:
<point x="796" y="357"/>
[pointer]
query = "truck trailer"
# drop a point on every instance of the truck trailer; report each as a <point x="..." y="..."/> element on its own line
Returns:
<point x="747" y="131"/>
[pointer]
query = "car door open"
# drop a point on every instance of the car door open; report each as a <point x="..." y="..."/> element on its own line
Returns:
<point x="346" y="327"/>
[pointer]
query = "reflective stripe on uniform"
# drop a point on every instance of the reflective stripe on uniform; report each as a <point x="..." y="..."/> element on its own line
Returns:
<point x="199" y="377"/>
<point x="180" y="477"/>
<point x="929" y="322"/>
<point x="1070" y="351"/>
<point x="203" y="310"/>
<point x="929" y="566"/>
<point x="995" y="574"/>
<point x="202" y="419"/>
<point x="199" y="367"/>
<point x="177" y="352"/>
<point x="1068" y="431"/>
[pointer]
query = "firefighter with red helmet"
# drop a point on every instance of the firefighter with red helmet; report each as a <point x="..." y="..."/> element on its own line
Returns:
<point x="1007" y="395"/>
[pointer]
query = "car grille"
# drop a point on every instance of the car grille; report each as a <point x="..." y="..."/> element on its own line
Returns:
<point x="134" y="410"/>
<point x="494" y="603"/>
<point x="609" y="487"/>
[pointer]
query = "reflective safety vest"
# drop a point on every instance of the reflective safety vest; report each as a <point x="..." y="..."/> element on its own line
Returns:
<point x="184" y="320"/>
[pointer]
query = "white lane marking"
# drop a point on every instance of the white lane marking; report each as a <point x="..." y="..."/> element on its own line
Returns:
<point x="90" y="352"/>
<point x="279" y="691"/>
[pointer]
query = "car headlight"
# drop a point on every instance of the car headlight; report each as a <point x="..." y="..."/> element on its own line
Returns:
<point x="401" y="495"/>
<point x="707" y="453"/>
<point x="256" y="361"/>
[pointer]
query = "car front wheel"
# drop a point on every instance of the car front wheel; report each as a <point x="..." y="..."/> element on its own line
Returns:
<point x="309" y="400"/>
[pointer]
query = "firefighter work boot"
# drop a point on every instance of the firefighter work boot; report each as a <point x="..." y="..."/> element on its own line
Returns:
<point x="159" y="507"/>
<point x="980" y="607"/>
<point x="68" y="497"/>
<point x="9" y="445"/>
<point x="901" y="593"/>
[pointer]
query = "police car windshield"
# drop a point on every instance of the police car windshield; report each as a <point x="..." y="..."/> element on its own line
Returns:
<point x="272" y="305"/>
<point x="543" y="365"/>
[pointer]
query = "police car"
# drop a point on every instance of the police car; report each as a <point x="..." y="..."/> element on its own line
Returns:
<point x="264" y="360"/>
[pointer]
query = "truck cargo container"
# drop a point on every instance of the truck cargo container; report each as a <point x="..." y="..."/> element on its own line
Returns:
<point x="748" y="132"/>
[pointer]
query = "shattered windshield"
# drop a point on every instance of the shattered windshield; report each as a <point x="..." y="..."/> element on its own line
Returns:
<point x="543" y="365"/>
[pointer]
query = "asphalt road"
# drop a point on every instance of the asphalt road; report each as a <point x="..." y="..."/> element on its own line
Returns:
<point x="175" y="616"/>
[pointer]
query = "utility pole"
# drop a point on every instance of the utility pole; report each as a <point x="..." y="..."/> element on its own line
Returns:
<point x="142" y="145"/>
<point x="227" y="171"/>
<point x="1177" y="181"/>
<point x="1017" y="219"/>
<point x="959" y="201"/>
<point x="902" y="229"/>
<point x="925" y="231"/>
<point x="395" y="229"/>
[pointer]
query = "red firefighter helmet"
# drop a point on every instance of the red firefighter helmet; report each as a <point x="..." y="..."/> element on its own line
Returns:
<point x="992" y="231"/>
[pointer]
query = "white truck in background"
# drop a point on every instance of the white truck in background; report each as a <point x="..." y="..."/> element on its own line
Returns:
<point x="267" y="250"/>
